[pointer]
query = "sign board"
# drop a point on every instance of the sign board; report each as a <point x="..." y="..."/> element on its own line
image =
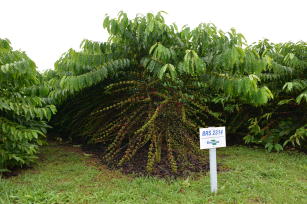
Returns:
<point x="212" y="137"/>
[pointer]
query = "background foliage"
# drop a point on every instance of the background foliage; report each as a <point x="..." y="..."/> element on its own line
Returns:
<point x="283" y="121"/>
<point x="23" y="109"/>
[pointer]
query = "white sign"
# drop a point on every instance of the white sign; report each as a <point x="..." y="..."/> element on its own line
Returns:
<point x="212" y="137"/>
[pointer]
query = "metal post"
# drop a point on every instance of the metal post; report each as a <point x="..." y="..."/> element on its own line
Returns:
<point x="213" y="170"/>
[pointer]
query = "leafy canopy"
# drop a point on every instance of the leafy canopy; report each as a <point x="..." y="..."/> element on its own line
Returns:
<point x="23" y="108"/>
<point x="151" y="85"/>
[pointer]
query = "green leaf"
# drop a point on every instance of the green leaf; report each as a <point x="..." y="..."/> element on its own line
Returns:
<point x="162" y="71"/>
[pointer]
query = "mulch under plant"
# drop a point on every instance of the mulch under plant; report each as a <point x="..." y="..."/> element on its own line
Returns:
<point x="137" y="165"/>
<point x="190" y="166"/>
<point x="12" y="172"/>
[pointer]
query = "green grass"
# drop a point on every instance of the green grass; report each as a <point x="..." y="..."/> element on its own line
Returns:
<point x="65" y="176"/>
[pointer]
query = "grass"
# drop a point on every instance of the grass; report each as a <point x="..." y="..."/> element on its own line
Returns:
<point x="65" y="175"/>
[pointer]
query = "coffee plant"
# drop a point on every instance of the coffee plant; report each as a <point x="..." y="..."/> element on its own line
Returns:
<point x="23" y="108"/>
<point x="282" y="121"/>
<point x="152" y="85"/>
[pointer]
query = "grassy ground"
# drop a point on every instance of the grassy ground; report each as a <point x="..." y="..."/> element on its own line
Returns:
<point x="66" y="175"/>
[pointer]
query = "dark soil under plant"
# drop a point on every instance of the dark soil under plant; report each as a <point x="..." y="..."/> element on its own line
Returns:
<point x="14" y="172"/>
<point x="190" y="166"/>
<point x="137" y="166"/>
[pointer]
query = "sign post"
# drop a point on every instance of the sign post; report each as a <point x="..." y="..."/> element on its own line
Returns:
<point x="213" y="170"/>
<point x="212" y="138"/>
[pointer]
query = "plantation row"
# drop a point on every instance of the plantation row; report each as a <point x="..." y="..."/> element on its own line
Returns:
<point x="150" y="87"/>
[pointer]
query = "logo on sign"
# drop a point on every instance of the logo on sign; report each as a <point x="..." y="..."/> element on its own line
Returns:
<point x="213" y="142"/>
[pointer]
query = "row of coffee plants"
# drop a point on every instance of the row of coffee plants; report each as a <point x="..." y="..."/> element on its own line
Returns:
<point x="24" y="109"/>
<point x="283" y="120"/>
<point x="149" y="88"/>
